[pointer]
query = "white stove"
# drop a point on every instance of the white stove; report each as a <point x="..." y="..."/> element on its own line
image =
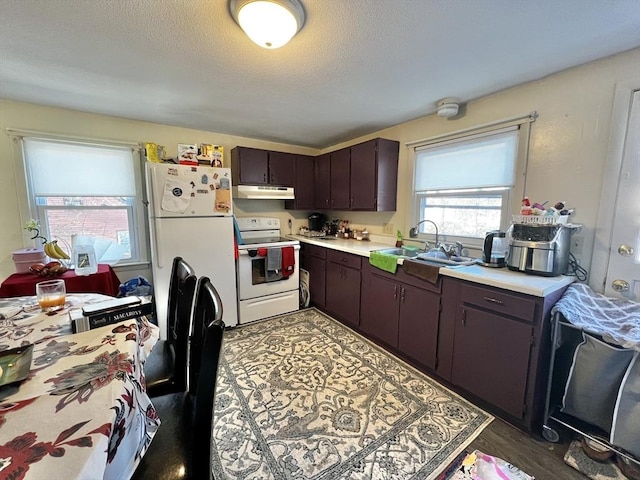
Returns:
<point x="268" y="270"/>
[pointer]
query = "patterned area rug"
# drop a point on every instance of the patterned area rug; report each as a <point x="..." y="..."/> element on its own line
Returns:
<point x="300" y="396"/>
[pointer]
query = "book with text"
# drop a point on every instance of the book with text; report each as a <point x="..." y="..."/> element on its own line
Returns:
<point x="88" y="319"/>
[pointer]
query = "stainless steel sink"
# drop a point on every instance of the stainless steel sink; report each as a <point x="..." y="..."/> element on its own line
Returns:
<point x="400" y="251"/>
<point x="450" y="261"/>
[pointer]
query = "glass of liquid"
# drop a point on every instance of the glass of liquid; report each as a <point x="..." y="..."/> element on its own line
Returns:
<point x="51" y="295"/>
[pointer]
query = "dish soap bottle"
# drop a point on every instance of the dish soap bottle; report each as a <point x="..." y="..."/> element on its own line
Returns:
<point x="398" y="239"/>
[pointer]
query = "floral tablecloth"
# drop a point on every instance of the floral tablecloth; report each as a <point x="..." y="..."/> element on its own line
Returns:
<point x="83" y="412"/>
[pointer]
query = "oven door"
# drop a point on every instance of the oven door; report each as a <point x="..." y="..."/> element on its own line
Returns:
<point x="254" y="282"/>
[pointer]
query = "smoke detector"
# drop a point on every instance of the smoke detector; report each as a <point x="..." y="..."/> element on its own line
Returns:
<point x="448" y="107"/>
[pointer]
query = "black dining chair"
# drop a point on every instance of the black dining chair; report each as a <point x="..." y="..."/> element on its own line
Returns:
<point x="166" y="368"/>
<point x="181" y="448"/>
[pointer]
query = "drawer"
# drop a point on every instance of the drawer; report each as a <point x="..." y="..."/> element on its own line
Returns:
<point x="499" y="301"/>
<point x="346" y="259"/>
<point x="314" y="251"/>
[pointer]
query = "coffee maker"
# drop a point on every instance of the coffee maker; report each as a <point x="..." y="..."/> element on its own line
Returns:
<point x="316" y="222"/>
<point x="540" y="249"/>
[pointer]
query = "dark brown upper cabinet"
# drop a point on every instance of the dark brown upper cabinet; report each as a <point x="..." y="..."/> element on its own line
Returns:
<point x="340" y="179"/>
<point x="304" y="187"/>
<point x="254" y="166"/>
<point x="322" y="182"/>
<point x="282" y="169"/>
<point x="374" y="175"/>
<point x="361" y="177"/>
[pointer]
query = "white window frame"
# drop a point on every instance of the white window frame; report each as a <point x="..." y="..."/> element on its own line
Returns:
<point x="511" y="198"/>
<point x="429" y="236"/>
<point x="136" y="211"/>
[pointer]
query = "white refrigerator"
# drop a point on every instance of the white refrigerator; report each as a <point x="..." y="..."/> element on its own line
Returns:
<point x="191" y="216"/>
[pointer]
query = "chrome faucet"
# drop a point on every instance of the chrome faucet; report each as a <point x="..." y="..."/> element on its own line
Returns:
<point x="413" y="232"/>
<point x="451" y="250"/>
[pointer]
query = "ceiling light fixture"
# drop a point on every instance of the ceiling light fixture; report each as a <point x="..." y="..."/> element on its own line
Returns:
<point x="448" y="107"/>
<point x="269" y="23"/>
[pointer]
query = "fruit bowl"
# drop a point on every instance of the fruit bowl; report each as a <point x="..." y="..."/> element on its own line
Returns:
<point x="51" y="269"/>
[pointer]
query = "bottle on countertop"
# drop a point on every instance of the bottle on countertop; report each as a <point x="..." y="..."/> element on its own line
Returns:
<point x="399" y="238"/>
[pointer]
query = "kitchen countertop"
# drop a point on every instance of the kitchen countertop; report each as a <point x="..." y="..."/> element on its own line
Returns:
<point x="509" y="280"/>
<point x="357" y="247"/>
<point x="496" y="277"/>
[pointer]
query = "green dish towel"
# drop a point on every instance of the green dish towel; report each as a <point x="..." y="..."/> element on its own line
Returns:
<point x="388" y="263"/>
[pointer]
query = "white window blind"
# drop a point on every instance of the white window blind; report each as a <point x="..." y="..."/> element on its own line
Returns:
<point x="478" y="161"/>
<point x="59" y="168"/>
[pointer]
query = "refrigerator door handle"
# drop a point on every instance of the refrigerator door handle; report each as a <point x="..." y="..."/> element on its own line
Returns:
<point x="156" y="244"/>
<point x="152" y="217"/>
<point x="152" y="186"/>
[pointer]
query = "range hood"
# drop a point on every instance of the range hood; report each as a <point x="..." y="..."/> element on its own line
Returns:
<point x="263" y="192"/>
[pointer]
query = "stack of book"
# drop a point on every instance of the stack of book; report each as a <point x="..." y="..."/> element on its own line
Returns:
<point x="108" y="312"/>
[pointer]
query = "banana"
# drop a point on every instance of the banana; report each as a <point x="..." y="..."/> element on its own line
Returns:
<point x="49" y="251"/>
<point x="59" y="252"/>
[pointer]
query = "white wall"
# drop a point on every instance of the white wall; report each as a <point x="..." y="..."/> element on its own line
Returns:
<point x="25" y="116"/>
<point x="566" y="162"/>
<point x="569" y="140"/>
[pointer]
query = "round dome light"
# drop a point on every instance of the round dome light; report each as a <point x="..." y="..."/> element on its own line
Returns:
<point x="268" y="23"/>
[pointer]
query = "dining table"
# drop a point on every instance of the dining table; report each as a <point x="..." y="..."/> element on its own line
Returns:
<point x="82" y="412"/>
<point x="104" y="281"/>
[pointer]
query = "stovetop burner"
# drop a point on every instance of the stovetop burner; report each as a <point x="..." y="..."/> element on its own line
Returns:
<point x="257" y="232"/>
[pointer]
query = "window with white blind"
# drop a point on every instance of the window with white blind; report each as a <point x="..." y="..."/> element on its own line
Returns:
<point x="463" y="184"/>
<point x="86" y="189"/>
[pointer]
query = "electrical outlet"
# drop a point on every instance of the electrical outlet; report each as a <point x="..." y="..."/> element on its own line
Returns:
<point x="388" y="228"/>
<point x="577" y="243"/>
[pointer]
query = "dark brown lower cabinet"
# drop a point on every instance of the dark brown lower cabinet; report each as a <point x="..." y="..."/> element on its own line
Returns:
<point x="402" y="316"/>
<point x="492" y="345"/>
<point x="379" y="309"/>
<point x="495" y="344"/>
<point x="491" y="358"/>
<point x="343" y="286"/>
<point x="418" y="325"/>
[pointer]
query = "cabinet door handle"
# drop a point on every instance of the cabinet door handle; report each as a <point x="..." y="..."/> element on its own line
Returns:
<point x="493" y="300"/>
<point x="402" y="290"/>
<point x="344" y="259"/>
<point x="464" y="318"/>
<point x="395" y="292"/>
<point x="326" y="202"/>
<point x="264" y="177"/>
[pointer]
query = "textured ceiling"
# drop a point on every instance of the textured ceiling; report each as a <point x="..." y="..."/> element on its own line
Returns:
<point x="355" y="67"/>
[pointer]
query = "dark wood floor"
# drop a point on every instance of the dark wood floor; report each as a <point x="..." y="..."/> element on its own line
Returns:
<point x="539" y="458"/>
